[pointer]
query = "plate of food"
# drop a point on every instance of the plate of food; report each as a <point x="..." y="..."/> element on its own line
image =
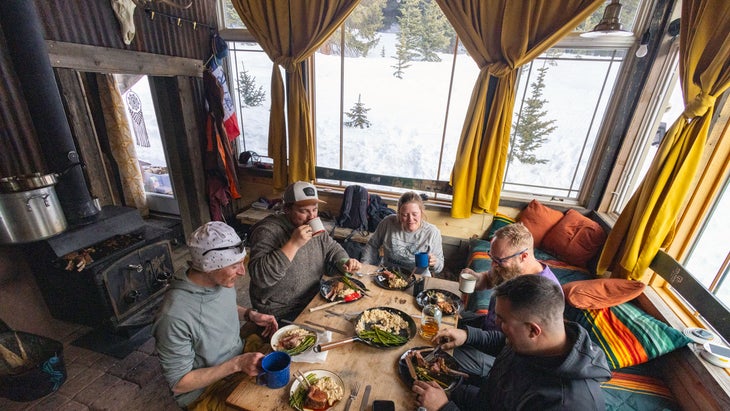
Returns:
<point x="442" y="368"/>
<point x="381" y="327"/>
<point x="394" y="278"/>
<point x="345" y="289"/>
<point x="293" y="340"/>
<point x="448" y="302"/>
<point x="325" y="390"/>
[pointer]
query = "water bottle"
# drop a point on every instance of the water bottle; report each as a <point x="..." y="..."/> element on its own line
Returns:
<point x="430" y="319"/>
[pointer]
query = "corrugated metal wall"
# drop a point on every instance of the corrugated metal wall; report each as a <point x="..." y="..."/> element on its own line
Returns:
<point x="93" y="22"/>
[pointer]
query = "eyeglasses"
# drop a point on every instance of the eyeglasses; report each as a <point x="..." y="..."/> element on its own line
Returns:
<point x="500" y="261"/>
<point x="239" y="247"/>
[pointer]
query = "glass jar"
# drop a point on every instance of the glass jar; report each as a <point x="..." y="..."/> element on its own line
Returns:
<point x="430" y="319"/>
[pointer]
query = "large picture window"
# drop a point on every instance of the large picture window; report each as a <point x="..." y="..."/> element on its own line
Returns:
<point x="391" y="88"/>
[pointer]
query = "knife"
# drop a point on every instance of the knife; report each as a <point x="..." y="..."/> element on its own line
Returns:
<point x="306" y="327"/>
<point x="328" y="328"/>
<point x="365" y="395"/>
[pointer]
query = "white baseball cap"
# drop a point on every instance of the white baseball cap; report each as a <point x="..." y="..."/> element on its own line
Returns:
<point x="301" y="193"/>
<point x="215" y="245"/>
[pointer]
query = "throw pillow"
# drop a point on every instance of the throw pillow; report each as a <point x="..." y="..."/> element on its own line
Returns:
<point x="499" y="221"/>
<point x="575" y="239"/>
<point x="539" y="219"/>
<point x="601" y="292"/>
<point x="626" y="334"/>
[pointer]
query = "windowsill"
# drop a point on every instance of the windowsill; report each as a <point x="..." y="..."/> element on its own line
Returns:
<point x="713" y="380"/>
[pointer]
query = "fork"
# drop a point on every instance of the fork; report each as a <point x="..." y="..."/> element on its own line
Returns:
<point x="354" y="389"/>
<point x="305" y="383"/>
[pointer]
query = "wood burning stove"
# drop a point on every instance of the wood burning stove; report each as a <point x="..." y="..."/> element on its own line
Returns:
<point x="111" y="273"/>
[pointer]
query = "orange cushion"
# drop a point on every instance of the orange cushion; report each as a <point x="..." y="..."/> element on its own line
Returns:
<point x="601" y="293"/>
<point x="575" y="239"/>
<point x="539" y="219"/>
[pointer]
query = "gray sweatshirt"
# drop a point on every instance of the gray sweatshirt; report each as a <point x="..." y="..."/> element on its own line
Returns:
<point x="196" y="327"/>
<point x="400" y="246"/>
<point x="281" y="287"/>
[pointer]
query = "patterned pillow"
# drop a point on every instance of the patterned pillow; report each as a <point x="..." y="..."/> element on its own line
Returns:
<point x="627" y="335"/>
<point x="499" y="221"/>
<point x="632" y="391"/>
<point x="479" y="261"/>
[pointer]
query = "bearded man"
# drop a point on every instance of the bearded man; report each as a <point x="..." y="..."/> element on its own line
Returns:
<point x="512" y="254"/>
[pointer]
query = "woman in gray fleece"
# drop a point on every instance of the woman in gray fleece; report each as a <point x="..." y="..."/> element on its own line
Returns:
<point x="403" y="234"/>
<point x="288" y="260"/>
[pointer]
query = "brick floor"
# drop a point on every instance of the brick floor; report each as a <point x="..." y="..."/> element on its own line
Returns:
<point x="99" y="382"/>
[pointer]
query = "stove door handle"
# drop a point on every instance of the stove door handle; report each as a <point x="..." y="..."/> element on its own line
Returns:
<point x="135" y="267"/>
<point x="132" y="296"/>
<point x="163" y="278"/>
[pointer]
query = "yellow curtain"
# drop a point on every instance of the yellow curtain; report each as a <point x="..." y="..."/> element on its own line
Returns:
<point x="501" y="35"/>
<point x="648" y="221"/>
<point x="122" y="143"/>
<point x="290" y="31"/>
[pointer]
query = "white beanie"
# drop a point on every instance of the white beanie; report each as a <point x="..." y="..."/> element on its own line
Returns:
<point x="220" y="244"/>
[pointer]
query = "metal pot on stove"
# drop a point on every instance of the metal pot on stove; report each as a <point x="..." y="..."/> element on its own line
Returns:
<point x="29" y="208"/>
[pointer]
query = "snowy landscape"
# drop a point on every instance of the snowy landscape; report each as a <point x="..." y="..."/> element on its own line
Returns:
<point x="407" y="117"/>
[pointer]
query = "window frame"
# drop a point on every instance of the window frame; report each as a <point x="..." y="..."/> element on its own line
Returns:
<point x="589" y="190"/>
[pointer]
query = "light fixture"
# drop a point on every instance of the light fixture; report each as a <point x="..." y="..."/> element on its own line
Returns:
<point x="610" y="24"/>
<point x="643" y="48"/>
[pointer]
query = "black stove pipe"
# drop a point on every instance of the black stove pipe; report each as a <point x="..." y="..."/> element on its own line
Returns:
<point x="28" y="51"/>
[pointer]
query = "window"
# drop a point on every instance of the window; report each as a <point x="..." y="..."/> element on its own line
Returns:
<point x="551" y="146"/>
<point x="709" y="256"/>
<point x="251" y="81"/>
<point x="142" y="120"/>
<point x="666" y="108"/>
<point x="394" y="102"/>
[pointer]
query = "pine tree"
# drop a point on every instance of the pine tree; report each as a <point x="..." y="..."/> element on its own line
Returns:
<point x="531" y="129"/>
<point x="358" y="115"/>
<point x="409" y="23"/>
<point x="435" y="32"/>
<point x="250" y="95"/>
<point x="361" y="27"/>
<point x="402" y="56"/>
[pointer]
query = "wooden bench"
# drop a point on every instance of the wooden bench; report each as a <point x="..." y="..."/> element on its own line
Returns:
<point x="253" y="215"/>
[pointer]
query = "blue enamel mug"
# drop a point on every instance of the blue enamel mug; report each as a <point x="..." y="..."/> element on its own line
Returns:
<point x="276" y="370"/>
<point x="422" y="260"/>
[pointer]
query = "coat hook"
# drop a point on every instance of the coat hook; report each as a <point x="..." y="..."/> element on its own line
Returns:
<point x="195" y="25"/>
<point x="179" y="21"/>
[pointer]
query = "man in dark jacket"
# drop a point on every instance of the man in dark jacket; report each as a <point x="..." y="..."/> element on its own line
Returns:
<point x="543" y="363"/>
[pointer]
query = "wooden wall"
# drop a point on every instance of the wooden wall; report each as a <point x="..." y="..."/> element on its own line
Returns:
<point x="84" y="37"/>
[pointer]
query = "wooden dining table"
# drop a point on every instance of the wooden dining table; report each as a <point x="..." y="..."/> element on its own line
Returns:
<point x="354" y="362"/>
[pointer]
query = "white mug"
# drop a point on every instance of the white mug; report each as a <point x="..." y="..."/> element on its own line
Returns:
<point x="467" y="282"/>
<point x="317" y="225"/>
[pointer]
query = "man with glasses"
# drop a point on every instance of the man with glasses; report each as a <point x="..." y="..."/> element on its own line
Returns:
<point x="197" y="330"/>
<point x="288" y="258"/>
<point x="512" y="254"/>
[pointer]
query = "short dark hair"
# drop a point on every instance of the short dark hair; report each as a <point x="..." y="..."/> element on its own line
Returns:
<point x="535" y="296"/>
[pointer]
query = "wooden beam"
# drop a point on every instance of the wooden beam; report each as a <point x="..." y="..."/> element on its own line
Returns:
<point x="109" y="60"/>
<point x="82" y="127"/>
<point x="178" y="114"/>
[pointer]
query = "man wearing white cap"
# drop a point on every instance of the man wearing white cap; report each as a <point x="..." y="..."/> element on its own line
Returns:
<point x="197" y="327"/>
<point x="288" y="259"/>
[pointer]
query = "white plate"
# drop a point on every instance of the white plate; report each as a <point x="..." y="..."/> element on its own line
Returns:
<point x="319" y="374"/>
<point x="282" y="331"/>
